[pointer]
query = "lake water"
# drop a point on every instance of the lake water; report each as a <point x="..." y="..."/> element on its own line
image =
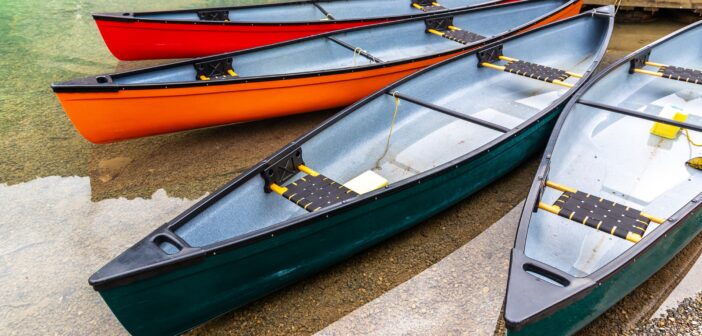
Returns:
<point x="69" y="206"/>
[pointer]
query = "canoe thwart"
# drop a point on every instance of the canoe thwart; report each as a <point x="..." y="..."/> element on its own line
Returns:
<point x="355" y="49"/>
<point x="443" y="26"/>
<point x="217" y="69"/>
<point x="488" y="58"/>
<point x="284" y="168"/>
<point x="640" y="115"/>
<point x="599" y="213"/>
<point x="214" y="15"/>
<point x="327" y="15"/>
<point x="450" y="112"/>
<point x="427" y="5"/>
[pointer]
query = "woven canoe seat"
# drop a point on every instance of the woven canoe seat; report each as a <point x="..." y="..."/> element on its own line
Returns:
<point x="601" y="214"/>
<point x="536" y="71"/>
<point x="432" y="8"/>
<point x="463" y="36"/>
<point x="427" y="5"/>
<point x="681" y="74"/>
<point x="316" y="192"/>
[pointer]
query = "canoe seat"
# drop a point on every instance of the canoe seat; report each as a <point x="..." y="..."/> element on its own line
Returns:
<point x="214" y="15"/>
<point x="462" y="36"/>
<point x="217" y="69"/>
<point x="601" y="214"/>
<point x="427" y="5"/>
<point x="444" y="27"/>
<point x="315" y="191"/>
<point x="672" y="72"/>
<point x="533" y="70"/>
<point x="488" y="57"/>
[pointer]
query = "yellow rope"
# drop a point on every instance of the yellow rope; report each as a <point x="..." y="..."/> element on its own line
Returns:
<point x="392" y="125"/>
<point x="689" y="139"/>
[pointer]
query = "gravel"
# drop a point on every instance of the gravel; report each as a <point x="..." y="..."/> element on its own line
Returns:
<point x="686" y="319"/>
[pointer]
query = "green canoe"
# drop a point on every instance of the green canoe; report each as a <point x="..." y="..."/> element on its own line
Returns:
<point x="614" y="199"/>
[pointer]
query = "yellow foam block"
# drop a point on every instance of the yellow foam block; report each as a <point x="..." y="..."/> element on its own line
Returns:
<point x="668" y="131"/>
<point x="366" y="182"/>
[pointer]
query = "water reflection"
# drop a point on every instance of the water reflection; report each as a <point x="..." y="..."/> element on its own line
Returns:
<point x="48" y="41"/>
<point x="192" y="163"/>
<point x="53" y="237"/>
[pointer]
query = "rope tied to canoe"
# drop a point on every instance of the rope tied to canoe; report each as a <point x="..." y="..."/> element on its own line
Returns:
<point x="356" y="51"/>
<point x="617" y="4"/>
<point x="694" y="162"/>
<point x="392" y="125"/>
<point x="689" y="139"/>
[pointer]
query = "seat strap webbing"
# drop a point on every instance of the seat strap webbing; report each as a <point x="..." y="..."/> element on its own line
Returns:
<point x="314" y="191"/>
<point x="672" y="72"/>
<point x="459" y="35"/>
<point x="534" y="71"/>
<point x="427" y="5"/>
<point x="599" y="213"/>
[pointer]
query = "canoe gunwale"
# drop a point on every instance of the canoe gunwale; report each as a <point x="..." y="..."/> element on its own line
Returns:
<point x="618" y="264"/>
<point x="120" y="17"/>
<point x="102" y="284"/>
<point x="88" y="84"/>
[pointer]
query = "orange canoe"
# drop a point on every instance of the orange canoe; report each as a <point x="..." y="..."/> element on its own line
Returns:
<point x="310" y="74"/>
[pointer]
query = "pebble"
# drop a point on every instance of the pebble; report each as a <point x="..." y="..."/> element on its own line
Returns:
<point x="686" y="319"/>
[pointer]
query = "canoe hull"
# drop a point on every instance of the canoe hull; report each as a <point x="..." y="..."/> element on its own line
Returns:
<point x="141" y="40"/>
<point x="103" y="117"/>
<point x="572" y="318"/>
<point x="180" y="300"/>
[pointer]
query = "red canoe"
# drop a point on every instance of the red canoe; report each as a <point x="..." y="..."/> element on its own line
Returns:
<point x="202" y="32"/>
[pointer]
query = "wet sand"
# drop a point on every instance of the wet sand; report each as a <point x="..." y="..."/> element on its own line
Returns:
<point x="40" y="142"/>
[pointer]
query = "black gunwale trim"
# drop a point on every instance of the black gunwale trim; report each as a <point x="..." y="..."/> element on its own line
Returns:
<point x="103" y="284"/>
<point x="69" y="87"/>
<point x="615" y="266"/>
<point x="120" y="17"/>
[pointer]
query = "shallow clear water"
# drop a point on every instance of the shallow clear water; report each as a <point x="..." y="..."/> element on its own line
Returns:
<point x="48" y="41"/>
<point x="69" y="206"/>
